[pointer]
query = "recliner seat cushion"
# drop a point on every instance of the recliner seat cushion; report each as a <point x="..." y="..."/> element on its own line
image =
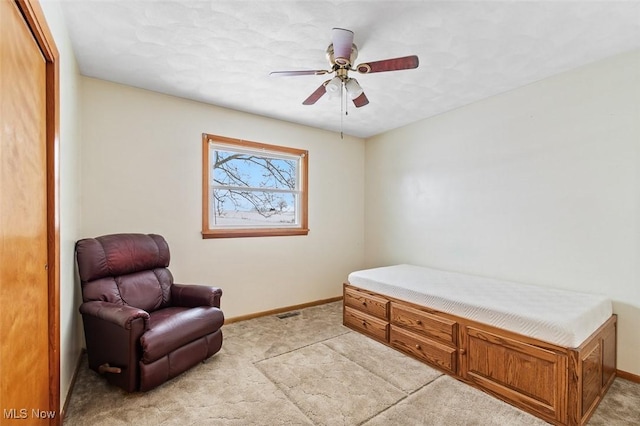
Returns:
<point x="173" y="327"/>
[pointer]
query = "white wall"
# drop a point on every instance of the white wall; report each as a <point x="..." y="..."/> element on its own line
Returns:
<point x="538" y="185"/>
<point x="141" y="172"/>
<point x="69" y="160"/>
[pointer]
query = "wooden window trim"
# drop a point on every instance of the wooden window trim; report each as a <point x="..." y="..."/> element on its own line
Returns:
<point x="207" y="232"/>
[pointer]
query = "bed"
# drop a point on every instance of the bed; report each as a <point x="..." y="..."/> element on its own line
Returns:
<point x="548" y="351"/>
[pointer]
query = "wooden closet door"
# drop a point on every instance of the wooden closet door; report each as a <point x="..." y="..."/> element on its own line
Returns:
<point x="24" y="291"/>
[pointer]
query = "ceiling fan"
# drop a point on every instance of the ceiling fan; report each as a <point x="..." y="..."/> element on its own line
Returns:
<point x="342" y="53"/>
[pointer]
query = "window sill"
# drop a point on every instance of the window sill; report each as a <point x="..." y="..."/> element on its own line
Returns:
<point x="241" y="233"/>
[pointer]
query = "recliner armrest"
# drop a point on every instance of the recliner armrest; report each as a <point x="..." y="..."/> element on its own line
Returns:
<point x="117" y="314"/>
<point x="191" y="296"/>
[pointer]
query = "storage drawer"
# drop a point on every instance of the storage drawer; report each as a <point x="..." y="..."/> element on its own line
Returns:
<point x="374" y="305"/>
<point x="423" y="348"/>
<point x="424" y="323"/>
<point x="531" y="376"/>
<point x="366" y="324"/>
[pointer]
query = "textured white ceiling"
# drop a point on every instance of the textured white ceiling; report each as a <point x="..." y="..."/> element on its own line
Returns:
<point x="221" y="52"/>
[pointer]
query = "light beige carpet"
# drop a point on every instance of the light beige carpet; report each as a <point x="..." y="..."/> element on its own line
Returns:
<point x="311" y="370"/>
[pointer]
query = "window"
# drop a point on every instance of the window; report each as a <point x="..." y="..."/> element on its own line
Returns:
<point x="252" y="189"/>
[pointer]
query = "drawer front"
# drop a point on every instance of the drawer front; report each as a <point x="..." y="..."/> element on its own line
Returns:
<point x="373" y="305"/>
<point x="423" y="348"/>
<point x="366" y="324"/>
<point x="528" y="375"/>
<point x="424" y="323"/>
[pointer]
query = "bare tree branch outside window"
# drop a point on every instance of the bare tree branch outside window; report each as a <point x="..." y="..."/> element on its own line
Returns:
<point x="245" y="183"/>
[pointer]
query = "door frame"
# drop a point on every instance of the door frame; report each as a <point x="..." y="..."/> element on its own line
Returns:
<point x="34" y="16"/>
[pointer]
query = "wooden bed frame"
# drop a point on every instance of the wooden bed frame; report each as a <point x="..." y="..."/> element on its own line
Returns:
<point x="560" y="385"/>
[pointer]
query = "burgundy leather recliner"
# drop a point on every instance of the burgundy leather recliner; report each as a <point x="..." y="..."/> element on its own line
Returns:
<point x="141" y="329"/>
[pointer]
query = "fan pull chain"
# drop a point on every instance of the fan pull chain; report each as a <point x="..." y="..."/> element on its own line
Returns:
<point x="341" y="110"/>
<point x="346" y="103"/>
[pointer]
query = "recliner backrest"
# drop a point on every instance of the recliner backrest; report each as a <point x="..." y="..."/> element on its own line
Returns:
<point x="126" y="269"/>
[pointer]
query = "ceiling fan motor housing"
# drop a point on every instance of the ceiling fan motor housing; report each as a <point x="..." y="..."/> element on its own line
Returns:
<point x="342" y="62"/>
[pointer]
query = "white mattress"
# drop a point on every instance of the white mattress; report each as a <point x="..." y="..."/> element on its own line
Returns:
<point x="562" y="317"/>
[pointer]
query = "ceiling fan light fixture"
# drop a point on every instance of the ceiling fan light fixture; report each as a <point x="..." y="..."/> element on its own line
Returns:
<point x="341" y="53"/>
<point x="353" y="88"/>
<point x="333" y="86"/>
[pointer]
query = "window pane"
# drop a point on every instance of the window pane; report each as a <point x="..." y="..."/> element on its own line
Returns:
<point x="251" y="189"/>
<point x="248" y="170"/>
<point x="235" y="208"/>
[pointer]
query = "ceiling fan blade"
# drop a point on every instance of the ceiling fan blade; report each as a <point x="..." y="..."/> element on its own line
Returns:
<point x="342" y="40"/>
<point x="294" y="73"/>
<point x="313" y="98"/>
<point x="395" y="64"/>
<point x="361" y="100"/>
